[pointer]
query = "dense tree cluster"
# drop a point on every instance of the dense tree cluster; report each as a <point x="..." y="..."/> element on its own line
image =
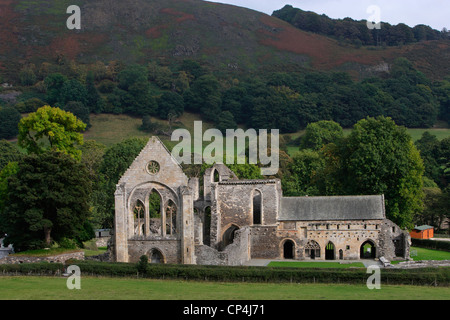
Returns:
<point x="288" y="101"/>
<point x="378" y="157"/>
<point x="357" y="32"/>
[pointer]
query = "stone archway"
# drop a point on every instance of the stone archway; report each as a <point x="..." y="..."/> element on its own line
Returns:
<point x="288" y="249"/>
<point x="330" y="251"/>
<point x="367" y="250"/>
<point x="156" y="256"/>
<point x="228" y="236"/>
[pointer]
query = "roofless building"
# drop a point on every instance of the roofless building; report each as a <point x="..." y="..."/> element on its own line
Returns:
<point x="171" y="218"/>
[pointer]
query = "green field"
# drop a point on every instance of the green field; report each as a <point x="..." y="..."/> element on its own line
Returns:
<point x="54" y="288"/>
<point x="418" y="254"/>
<point x="110" y="129"/>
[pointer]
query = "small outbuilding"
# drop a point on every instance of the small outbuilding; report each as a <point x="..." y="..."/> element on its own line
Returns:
<point x="422" y="232"/>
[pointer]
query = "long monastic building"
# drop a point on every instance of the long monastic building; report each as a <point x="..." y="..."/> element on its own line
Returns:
<point x="171" y="218"/>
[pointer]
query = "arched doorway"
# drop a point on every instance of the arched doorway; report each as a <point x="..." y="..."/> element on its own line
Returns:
<point x="288" y="249"/>
<point x="156" y="256"/>
<point x="330" y="251"/>
<point x="368" y="250"/>
<point x="228" y="236"/>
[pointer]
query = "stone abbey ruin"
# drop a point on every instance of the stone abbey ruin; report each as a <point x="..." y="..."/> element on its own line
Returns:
<point x="230" y="221"/>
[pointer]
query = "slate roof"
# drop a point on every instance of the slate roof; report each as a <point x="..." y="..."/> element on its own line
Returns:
<point x="424" y="227"/>
<point x="332" y="208"/>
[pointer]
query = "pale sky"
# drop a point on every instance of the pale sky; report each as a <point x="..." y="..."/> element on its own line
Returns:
<point x="434" y="13"/>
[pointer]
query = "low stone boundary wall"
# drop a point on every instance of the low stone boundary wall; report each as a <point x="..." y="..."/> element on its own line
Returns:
<point x="61" y="258"/>
<point x="422" y="264"/>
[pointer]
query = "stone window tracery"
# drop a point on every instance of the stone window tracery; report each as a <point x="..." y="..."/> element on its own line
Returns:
<point x="153" y="167"/>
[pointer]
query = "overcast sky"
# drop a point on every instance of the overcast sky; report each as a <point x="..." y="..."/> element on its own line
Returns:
<point x="435" y="13"/>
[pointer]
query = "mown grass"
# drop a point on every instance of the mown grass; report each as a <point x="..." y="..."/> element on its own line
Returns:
<point x="45" y="252"/>
<point x="418" y="254"/>
<point x="54" y="288"/>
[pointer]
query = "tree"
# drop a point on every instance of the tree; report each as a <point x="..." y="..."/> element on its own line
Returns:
<point x="94" y="101"/>
<point x="72" y="90"/>
<point x="435" y="210"/>
<point x="80" y="111"/>
<point x="134" y="91"/>
<point x="54" y="83"/>
<point x="379" y="157"/>
<point x="203" y="96"/>
<point x="305" y="172"/>
<point x="226" y="121"/>
<point x="320" y="133"/>
<point x="47" y="200"/>
<point x="170" y="103"/>
<point x="8" y="153"/>
<point x="92" y="158"/>
<point x="9" y="120"/>
<point x="115" y="162"/>
<point x="7" y="171"/>
<point x="428" y="145"/>
<point x="51" y="128"/>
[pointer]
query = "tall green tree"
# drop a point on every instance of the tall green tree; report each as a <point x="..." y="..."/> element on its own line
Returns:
<point x="320" y="133"/>
<point x="379" y="157"/>
<point x="53" y="84"/>
<point x="305" y="173"/>
<point x="94" y="101"/>
<point x="47" y="200"/>
<point x="51" y="128"/>
<point x="116" y="161"/>
<point x="8" y="153"/>
<point x="9" y="120"/>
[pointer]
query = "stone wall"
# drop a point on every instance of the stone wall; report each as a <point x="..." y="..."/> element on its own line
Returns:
<point x="61" y="258"/>
<point x="264" y="242"/>
<point x="394" y="242"/>
<point x="169" y="249"/>
<point x="234" y="254"/>
<point x="232" y="205"/>
<point x="102" y="242"/>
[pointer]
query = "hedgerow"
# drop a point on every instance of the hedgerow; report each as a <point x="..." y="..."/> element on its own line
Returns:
<point x="422" y="276"/>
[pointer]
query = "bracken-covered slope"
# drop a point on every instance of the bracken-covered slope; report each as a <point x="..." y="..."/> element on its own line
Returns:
<point x="223" y="36"/>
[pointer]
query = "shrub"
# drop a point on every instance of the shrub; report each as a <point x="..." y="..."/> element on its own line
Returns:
<point x="424" y="276"/>
<point x="142" y="265"/>
<point x="431" y="244"/>
<point x="67" y="243"/>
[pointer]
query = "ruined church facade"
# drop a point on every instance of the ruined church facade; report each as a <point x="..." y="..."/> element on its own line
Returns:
<point x="223" y="220"/>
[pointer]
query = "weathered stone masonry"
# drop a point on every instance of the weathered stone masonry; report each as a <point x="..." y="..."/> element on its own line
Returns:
<point x="231" y="221"/>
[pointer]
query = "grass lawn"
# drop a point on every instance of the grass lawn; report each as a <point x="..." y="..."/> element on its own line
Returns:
<point x="418" y="254"/>
<point x="54" y="288"/>
<point x="45" y="252"/>
<point x="307" y="264"/>
<point x="110" y="129"/>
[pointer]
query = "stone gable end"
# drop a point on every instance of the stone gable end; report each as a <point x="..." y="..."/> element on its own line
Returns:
<point x="154" y="163"/>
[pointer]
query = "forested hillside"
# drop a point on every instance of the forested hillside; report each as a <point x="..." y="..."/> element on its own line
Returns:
<point x="357" y="32"/>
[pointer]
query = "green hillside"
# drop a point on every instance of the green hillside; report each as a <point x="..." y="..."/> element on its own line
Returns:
<point x="227" y="38"/>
